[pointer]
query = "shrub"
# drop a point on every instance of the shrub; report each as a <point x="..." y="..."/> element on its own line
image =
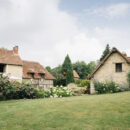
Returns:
<point x="128" y="75"/>
<point x="15" y="90"/>
<point x="124" y="87"/>
<point x="108" y="87"/>
<point x="83" y="83"/>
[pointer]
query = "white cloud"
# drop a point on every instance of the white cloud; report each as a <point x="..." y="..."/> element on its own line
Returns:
<point x="46" y="34"/>
<point x="112" y="11"/>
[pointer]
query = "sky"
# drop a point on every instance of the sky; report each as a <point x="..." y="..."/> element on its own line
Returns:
<point x="47" y="30"/>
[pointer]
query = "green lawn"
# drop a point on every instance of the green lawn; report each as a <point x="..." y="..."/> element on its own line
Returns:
<point x="89" y="112"/>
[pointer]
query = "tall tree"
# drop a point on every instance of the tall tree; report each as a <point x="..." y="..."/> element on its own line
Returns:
<point x="67" y="70"/>
<point x="105" y="52"/>
<point x="48" y="68"/>
<point x="84" y="69"/>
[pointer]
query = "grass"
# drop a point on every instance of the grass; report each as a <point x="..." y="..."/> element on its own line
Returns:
<point x="89" y="112"/>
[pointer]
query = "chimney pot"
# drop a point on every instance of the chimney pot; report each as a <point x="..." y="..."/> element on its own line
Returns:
<point x="124" y="53"/>
<point x="15" y="49"/>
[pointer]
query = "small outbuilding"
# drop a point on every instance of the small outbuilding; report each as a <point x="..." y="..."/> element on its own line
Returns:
<point x="114" y="67"/>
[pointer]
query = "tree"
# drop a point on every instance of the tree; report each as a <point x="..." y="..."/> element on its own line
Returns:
<point x="105" y="52"/>
<point x="48" y="69"/>
<point x="67" y="70"/>
<point x="91" y="66"/>
<point x="81" y="69"/>
<point x="84" y="69"/>
<point x="60" y="79"/>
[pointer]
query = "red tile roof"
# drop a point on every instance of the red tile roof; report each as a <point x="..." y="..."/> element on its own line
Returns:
<point x="9" y="57"/>
<point x="35" y="68"/>
<point x="75" y="74"/>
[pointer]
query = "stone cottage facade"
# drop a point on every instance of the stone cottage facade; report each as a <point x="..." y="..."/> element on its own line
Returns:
<point x="16" y="69"/>
<point x="11" y="64"/>
<point x="114" y="67"/>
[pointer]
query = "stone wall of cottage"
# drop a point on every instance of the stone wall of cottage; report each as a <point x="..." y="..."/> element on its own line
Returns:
<point x="107" y="72"/>
<point x="14" y="72"/>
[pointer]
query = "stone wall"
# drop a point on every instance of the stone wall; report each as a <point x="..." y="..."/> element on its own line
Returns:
<point x="14" y="72"/>
<point x="107" y="72"/>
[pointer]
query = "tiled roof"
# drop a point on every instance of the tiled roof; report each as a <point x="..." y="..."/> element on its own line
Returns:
<point x="9" y="57"/>
<point x="128" y="58"/>
<point x="111" y="52"/>
<point x="37" y="69"/>
<point x="75" y="74"/>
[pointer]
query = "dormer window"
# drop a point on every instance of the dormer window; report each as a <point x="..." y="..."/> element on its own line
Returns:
<point x="31" y="75"/>
<point x="42" y="75"/>
<point x="118" y="67"/>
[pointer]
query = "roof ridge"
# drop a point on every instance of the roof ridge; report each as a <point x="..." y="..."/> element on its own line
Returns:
<point x="31" y="61"/>
<point x="114" y="49"/>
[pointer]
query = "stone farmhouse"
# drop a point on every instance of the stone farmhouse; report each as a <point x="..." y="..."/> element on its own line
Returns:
<point x="19" y="70"/>
<point x="114" y="67"/>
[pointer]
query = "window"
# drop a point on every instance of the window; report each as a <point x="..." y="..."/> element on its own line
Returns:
<point x="31" y="75"/>
<point x="118" y="67"/>
<point x="2" y="68"/>
<point x="42" y="75"/>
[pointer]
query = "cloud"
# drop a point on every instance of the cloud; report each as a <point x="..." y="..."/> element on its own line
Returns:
<point x="46" y="34"/>
<point x="112" y="11"/>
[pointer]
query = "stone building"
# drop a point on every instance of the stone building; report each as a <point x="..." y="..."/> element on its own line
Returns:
<point x="36" y="74"/>
<point x="11" y="64"/>
<point x="114" y="67"/>
<point x="16" y="69"/>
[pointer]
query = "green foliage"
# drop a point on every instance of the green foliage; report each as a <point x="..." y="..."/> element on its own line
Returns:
<point x="109" y="87"/>
<point x="106" y="51"/>
<point x="69" y="77"/>
<point x="77" y="91"/>
<point x="83" y="83"/>
<point x="67" y="70"/>
<point x="15" y="90"/>
<point x="84" y="69"/>
<point x="60" y="79"/>
<point x="81" y="69"/>
<point x="48" y="69"/>
<point x="66" y="65"/>
<point x="62" y="92"/>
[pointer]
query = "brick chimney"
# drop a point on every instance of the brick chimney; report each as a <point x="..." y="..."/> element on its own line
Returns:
<point x="15" y="50"/>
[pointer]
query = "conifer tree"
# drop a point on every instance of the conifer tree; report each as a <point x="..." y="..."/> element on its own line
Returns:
<point x="106" y="51"/>
<point x="67" y="70"/>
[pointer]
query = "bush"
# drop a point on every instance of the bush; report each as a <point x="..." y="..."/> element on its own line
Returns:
<point x="83" y="83"/>
<point x="15" y="90"/>
<point x="108" y="87"/>
<point x="128" y="75"/>
<point x="123" y="88"/>
<point x="62" y="92"/>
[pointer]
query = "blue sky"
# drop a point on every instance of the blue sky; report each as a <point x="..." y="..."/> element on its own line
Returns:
<point x="47" y="30"/>
<point x="78" y="7"/>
